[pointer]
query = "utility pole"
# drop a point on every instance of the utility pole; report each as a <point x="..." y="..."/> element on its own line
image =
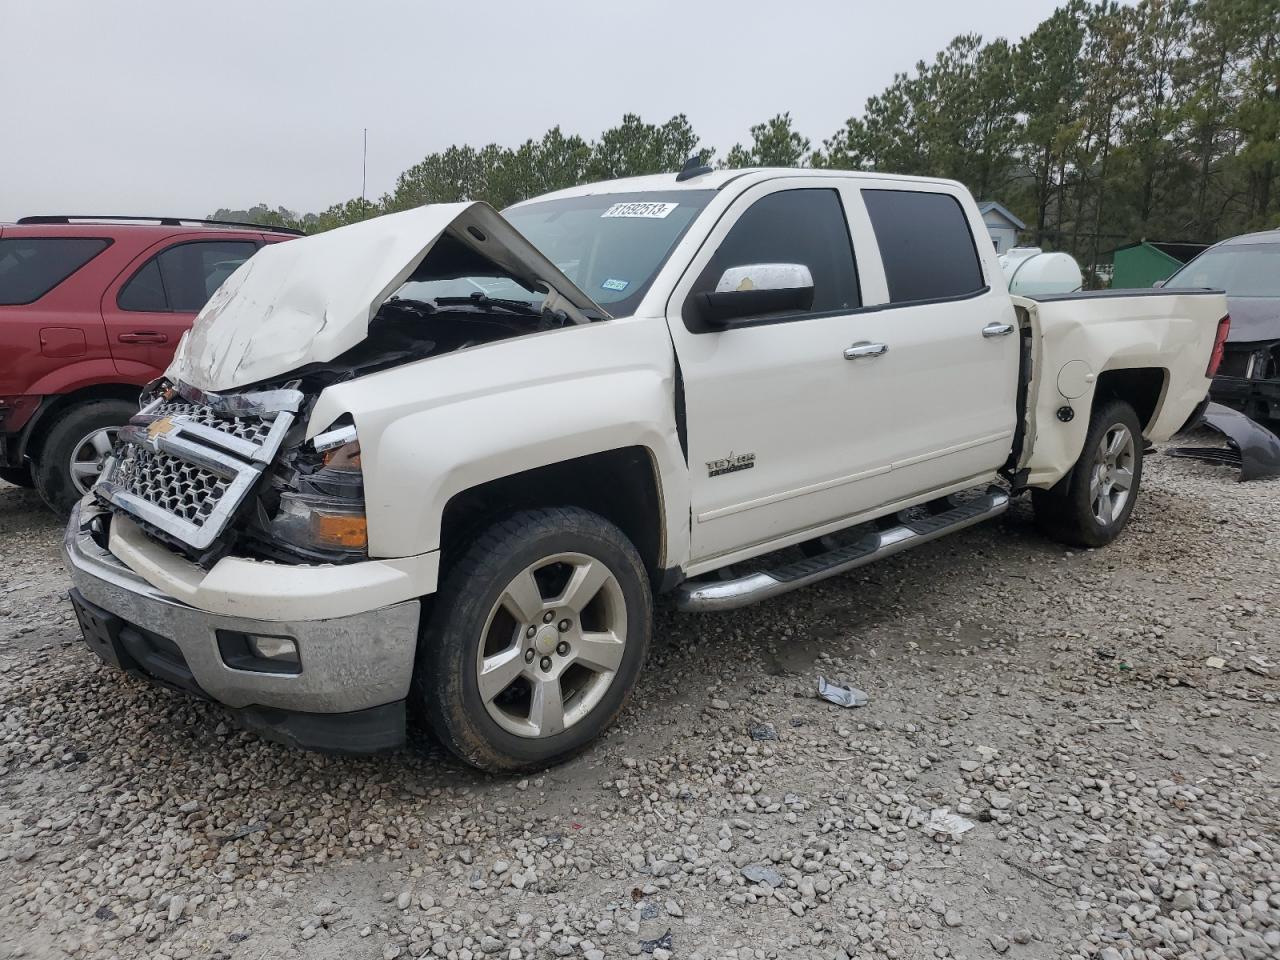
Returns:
<point x="364" y="175"/>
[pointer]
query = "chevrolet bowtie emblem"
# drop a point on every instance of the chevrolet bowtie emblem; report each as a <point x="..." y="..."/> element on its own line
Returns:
<point x="157" y="427"/>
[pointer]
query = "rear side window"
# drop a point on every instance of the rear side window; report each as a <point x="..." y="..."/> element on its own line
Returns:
<point x="144" y="291"/>
<point x="804" y="226"/>
<point x="925" y="244"/>
<point x="183" y="277"/>
<point x="32" y="266"/>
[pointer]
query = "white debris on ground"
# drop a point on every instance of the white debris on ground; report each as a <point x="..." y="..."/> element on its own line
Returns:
<point x="1123" y="791"/>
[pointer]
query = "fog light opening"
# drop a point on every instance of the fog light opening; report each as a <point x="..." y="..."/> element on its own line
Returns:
<point x="259" y="653"/>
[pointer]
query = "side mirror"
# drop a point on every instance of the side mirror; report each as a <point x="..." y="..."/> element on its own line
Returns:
<point x="1158" y="284"/>
<point x="757" y="289"/>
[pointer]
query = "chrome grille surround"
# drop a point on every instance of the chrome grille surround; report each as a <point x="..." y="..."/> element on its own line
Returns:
<point x="187" y="460"/>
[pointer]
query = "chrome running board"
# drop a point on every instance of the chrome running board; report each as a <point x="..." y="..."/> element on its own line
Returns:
<point x="705" y="596"/>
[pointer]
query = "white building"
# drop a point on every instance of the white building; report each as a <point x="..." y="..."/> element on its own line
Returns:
<point x="1001" y="224"/>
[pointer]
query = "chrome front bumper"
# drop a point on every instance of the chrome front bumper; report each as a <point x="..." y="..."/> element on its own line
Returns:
<point x="348" y="664"/>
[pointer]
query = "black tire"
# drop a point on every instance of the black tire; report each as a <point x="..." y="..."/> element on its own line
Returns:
<point x="18" y="476"/>
<point x="52" y="467"/>
<point x="446" y="685"/>
<point x="1066" y="513"/>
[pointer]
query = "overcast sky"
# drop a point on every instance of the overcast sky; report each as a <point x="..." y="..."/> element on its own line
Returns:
<point x="177" y="108"/>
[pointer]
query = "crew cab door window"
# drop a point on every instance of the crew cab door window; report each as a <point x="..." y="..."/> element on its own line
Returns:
<point x="925" y="244"/>
<point x="804" y="227"/>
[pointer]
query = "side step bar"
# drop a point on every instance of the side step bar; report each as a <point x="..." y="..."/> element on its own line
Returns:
<point x="702" y="596"/>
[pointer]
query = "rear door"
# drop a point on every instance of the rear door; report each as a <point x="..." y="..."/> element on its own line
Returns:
<point x="153" y="301"/>
<point x="944" y="390"/>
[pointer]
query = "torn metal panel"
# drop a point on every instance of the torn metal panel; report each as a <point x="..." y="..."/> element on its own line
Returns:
<point x="1251" y="447"/>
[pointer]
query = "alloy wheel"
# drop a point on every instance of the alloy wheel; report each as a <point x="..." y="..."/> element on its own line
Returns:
<point x="552" y="645"/>
<point x="89" y="456"/>
<point x="1111" y="480"/>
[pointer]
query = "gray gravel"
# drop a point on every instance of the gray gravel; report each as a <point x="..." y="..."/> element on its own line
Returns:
<point x="1124" y="795"/>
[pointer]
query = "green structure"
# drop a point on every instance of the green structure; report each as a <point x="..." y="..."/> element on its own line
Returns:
<point x="1143" y="263"/>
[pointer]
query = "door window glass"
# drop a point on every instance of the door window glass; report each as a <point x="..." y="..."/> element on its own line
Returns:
<point x="925" y="245"/>
<point x="32" y="266"/>
<point x="181" y="278"/>
<point x="144" y="291"/>
<point x="805" y="226"/>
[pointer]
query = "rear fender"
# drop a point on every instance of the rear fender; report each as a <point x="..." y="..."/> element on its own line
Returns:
<point x="1076" y="341"/>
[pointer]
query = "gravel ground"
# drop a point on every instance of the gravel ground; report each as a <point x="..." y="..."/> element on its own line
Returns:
<point x="1123" y="789"/>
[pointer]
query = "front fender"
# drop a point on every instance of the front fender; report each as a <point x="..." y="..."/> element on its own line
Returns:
<point x="432" y="429"/>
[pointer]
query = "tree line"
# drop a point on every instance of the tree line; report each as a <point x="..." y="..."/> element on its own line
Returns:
<point x="1106" y="124"/>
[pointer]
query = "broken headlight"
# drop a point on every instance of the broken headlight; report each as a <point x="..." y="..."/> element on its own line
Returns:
<point x="322" y="516"/>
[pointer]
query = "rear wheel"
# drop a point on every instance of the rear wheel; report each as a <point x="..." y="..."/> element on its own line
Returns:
<point x="1092" y="504"/>
<point x="75" y="449"/>
<point x="535" y="640"/>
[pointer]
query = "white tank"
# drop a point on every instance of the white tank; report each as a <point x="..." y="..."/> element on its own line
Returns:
<point x="1029" y="271"/>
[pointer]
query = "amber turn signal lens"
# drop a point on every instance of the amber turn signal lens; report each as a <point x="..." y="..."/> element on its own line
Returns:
<point x="345" y="457"/>
<point x="349" y="531"/>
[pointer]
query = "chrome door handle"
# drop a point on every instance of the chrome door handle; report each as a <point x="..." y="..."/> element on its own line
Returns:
<point x="997" y="330"/>
<point x="865" y="348"/>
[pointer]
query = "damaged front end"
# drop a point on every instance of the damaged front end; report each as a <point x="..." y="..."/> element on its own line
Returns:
<point x="217" y="460"/>
<point x="206" y="473"/>
<point x="187" y="463"/>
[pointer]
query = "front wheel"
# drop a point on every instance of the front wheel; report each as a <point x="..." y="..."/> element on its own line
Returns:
<point x="536" y="639"/>
<point x="1092" y="504"/>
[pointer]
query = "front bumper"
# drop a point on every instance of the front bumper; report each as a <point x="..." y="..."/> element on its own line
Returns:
<point x="347" y="696"/>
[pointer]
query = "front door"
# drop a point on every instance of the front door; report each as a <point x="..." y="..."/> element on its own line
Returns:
<point x="772" y="411"/>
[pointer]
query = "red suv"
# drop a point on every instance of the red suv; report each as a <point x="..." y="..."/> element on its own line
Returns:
<point x="92" y="308"/>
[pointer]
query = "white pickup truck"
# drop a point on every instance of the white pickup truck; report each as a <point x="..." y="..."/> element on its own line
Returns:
<point x="441" y="461"/>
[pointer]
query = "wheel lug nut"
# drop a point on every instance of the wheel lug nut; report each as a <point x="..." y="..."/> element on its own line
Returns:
<point x="530" y="632"/>
<point x="564" y="626"/>
<point x="546" y="663"/>
<point x="562" y="648"/>
<point x="529" y="655"/>
<point x="548" y="616"/>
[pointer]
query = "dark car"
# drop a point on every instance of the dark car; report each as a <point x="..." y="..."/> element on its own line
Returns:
<point x="92" y="308"/>
<point x="1248" y="269"/>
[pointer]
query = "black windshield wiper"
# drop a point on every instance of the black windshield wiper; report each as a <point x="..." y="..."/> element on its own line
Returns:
<point x="426" y="306"/>
<point x="482" y="301"/>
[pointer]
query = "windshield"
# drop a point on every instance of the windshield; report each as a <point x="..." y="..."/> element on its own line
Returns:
<point x="611" y="245"/>
<point x="1241" y="269"/>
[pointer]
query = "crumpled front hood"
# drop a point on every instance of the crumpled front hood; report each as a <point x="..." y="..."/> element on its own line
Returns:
<point x="309" y="300"/>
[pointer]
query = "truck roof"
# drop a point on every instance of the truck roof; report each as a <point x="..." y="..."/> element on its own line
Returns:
<point x="717" y="179"/>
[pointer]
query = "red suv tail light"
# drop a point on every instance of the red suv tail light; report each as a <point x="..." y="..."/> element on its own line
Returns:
<point x="1219" y="345"/>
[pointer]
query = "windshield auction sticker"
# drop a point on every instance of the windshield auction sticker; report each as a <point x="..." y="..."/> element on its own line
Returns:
<point x="646" y="210"/>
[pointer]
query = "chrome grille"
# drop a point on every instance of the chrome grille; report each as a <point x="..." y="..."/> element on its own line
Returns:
<point x="182" y="489"/>
<point x="186" y="461"/>
<point x="252" y="429"/>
